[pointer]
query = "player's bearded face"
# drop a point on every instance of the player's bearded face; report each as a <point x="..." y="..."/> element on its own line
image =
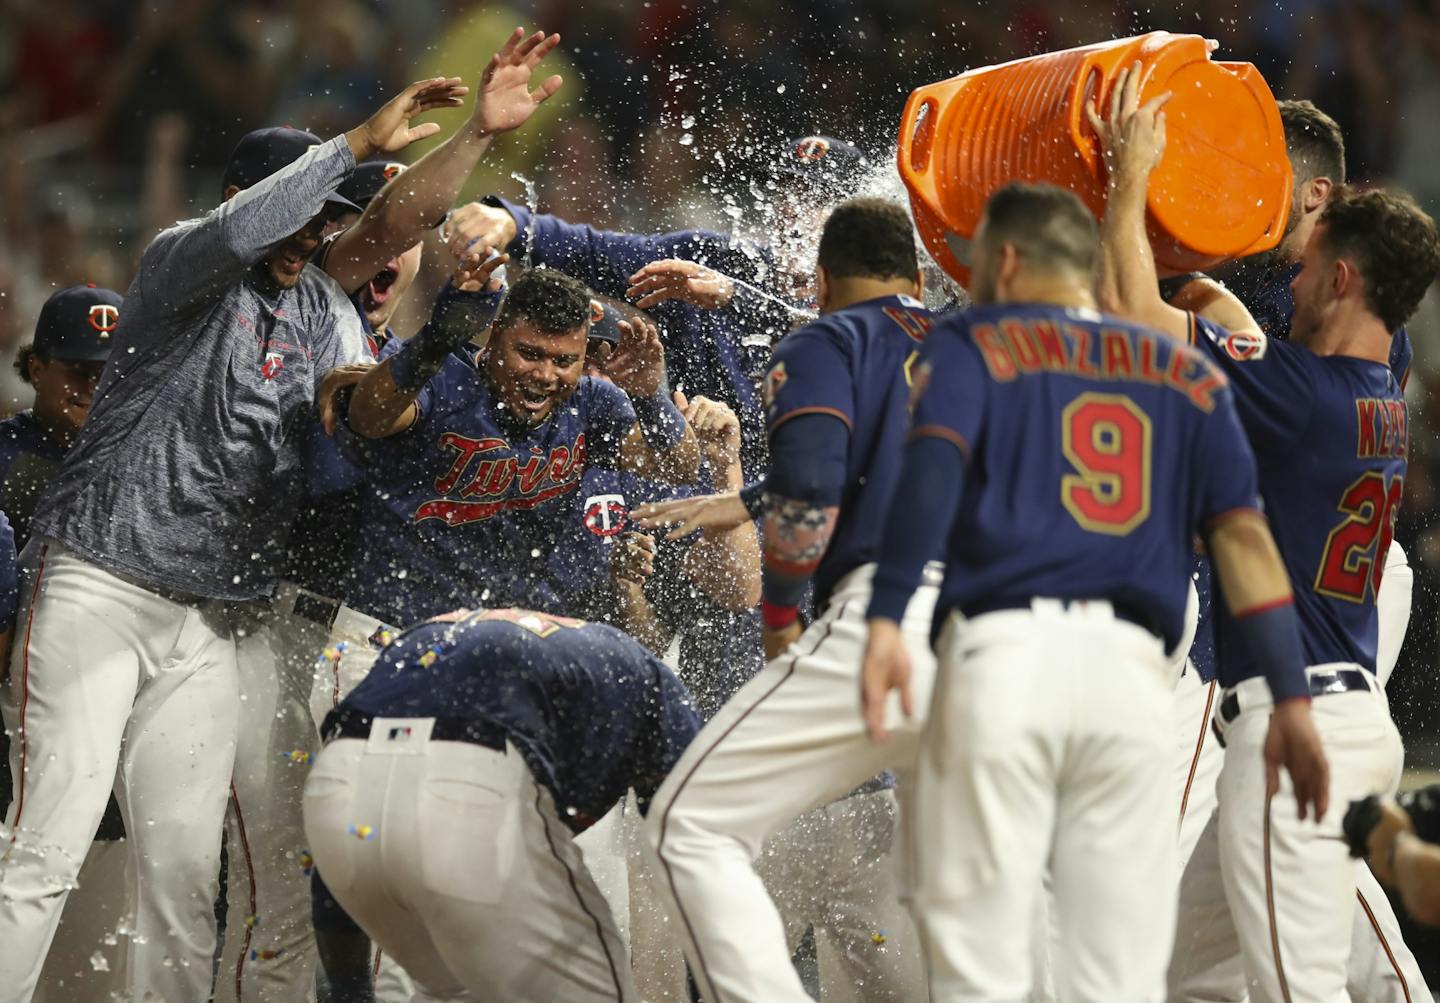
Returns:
<point x="533" y="372"/>
<point x="1311" y="290"/>
<point x="287" y="260"/>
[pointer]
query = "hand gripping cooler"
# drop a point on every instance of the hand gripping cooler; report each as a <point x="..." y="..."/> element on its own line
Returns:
<point x="1222" y="189"/>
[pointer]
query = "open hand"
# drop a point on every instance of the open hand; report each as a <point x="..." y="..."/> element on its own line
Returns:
<point x="505" y="101"/>
<point x="677" y="279"/>
<point x="1293" y="743"/>
<point x="476" y="271"/>
<point x="637" y="366"/>
<point x="1132" y="135"/>
<point x="710" y="513"/>
<point x="716" y="427"/>
<point x="475" y="224"/>
<point x="389" y="129"/>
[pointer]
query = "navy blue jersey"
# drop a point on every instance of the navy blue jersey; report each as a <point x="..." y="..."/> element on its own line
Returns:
<point x="464" y="507"/>
<point x="856" y="365"/>
<point x="1330" y="434"/>
<point x="1097" y="450"/>
<point x="29" y="458"/>
<point x="714" y="353"/>
<point x="1268" y="297"/>
<point x="592" y="712"/>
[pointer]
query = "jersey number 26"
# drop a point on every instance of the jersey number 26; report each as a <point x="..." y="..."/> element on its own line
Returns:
<point x="1354" y="557"/>
<point x="1106" y="438"/>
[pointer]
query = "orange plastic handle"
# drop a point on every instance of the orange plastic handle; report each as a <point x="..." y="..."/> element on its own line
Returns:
<point x="912" y="149"/>
<point x="1086" y="143"/>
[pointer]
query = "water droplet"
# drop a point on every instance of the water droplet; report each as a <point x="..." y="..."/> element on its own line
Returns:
<point x="686" y="139"/>
<point x="98" y="962"/>
<point x="688" y="122"/>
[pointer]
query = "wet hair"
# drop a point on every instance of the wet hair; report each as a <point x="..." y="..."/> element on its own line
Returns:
<point x="1390" y="241"/>
<point x="22" y="360"/>
<point x="1314" y="142"/>
<point x="551" y="301"/>
<point x="1049" y="226"/>
<point x="868" y="238"/>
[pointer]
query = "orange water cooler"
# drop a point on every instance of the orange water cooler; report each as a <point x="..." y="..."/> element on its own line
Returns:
<point x="1222" y="189"/>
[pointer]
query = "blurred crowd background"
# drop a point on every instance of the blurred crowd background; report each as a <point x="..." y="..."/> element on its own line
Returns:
<point x="116" y="116"/>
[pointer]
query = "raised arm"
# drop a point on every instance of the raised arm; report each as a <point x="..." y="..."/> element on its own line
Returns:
<point x="660" y="446"/>
<point x="723" y="563"/>
<point x="1132" y="138"/>
<point x="420" y="198"/>
<point x="194" y="261"/>
<point x="384" y="402"/>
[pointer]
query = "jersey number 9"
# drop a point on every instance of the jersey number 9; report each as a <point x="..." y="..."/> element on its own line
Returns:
<point x="1106" y="438"/>
<point x="1354" y="557"/>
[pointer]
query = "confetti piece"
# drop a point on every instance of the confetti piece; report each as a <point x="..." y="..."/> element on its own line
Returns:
<point x="296" y="757"/>
<point x="382" y="637"/>
<point x="266" y="955"/>
<point x="878" y="937"/>
<point x="428" y="659"/>
<point x="307" y="862"/>
<point x="252" y="921"/>
<point x="366" y="832"/>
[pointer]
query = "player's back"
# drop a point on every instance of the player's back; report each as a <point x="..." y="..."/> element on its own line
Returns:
<point x="591" y="710"/>
<point x="1330" y="434"/>
<point x="1096" y="449"/>
<point x="855" y="364"/>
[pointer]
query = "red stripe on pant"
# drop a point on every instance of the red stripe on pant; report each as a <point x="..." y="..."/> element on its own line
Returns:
<point x="25" y="703"/>
<point x="254" y="900"/>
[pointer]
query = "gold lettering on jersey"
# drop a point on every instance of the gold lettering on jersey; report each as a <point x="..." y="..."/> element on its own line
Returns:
<point x="1382" y="428"/>
<point x="992" y="349"/>
<point x="1019" y="347"/>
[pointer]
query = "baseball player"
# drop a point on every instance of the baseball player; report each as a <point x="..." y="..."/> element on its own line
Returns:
<point x="1382" y="967"/>
<point x="166" y="510"/>
<point x="442" y="812"/>
<point x="1328" y="423"/>
<point x="269" y="954"/>
<point x="1065" y="459"/>
<point x="836" y="393"/>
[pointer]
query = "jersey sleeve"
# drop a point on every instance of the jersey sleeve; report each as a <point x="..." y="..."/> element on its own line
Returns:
<point x="1273" y="383"/>
<point x="809" y="374"/>
<point x="448" y="385"/>
<point x="1224" y="466"/>
<point x="609" y="419"/>
<point x="948" y="389"/>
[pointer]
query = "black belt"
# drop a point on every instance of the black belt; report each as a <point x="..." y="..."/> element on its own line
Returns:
<point x="316" y="609"/>
<point x="346" y="723"/>
<point x="1123" y="611"/>
<point x="1341" y="681"/>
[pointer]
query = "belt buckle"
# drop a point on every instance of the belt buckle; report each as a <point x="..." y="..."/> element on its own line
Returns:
<point x="1324" y="685"/>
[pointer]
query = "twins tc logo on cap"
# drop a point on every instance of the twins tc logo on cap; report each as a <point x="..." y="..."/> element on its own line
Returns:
<point x="774" y="380"/>
<point x="103" y="317"/>
<point x="605" y="514"/>
<point x="389" y="171"/>
<point x="812" y="148"/>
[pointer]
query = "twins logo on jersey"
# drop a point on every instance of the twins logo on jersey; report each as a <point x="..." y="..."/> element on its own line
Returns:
<point x="1245" y="346"/>
<point x="605" y="515"/>
<point x="497" y="480"/>
<point x="270" y="368"/>
<point x="774" y="380"/>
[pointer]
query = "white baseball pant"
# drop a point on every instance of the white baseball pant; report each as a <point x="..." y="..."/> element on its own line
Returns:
<point x="455" y="861"/>
<point x="1047" y="743"/>
<point x="87" y="957"/>
<point x="1206" y="964"/>
<point x="269" y="955"/>
<point x="114" y="685"/>
<point x="1291" y="884"/>
<point x="790" y="740"/>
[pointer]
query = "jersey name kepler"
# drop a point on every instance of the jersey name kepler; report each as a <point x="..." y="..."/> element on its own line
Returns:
<point x="499" y="483"/>
<point x="1383" y="428"/>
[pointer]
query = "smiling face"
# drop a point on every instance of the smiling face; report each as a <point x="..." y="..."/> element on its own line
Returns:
<point x="534" y="372"/>
<point x="63" y="391"/>
<point x="287" y="259"/>
<point x="381" y="296"/>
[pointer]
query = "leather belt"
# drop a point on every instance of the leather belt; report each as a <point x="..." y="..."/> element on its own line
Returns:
<point x="1321" y="684"/>
<point x="349" y="723"/>
<point x="1123" y="611"/>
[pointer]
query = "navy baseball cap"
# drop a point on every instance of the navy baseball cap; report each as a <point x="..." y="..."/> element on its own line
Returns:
<point x="365" y="182"/>
<point x="78" y="324"/>
<point x="261" y="153"/>
<point x="822" y="158"/>
<point x="604" y="322"/>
